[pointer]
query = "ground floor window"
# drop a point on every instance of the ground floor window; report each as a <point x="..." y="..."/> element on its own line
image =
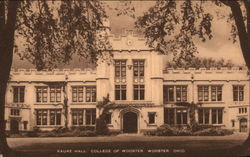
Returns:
<point x="174" y="116"/>
<point x="25" y="125"/>
<point x="210" y="115"/>
<point x="48" y="116"/>
<point x="151" y="117"/>
<point x="83" y="116"/>
<point x="108" y="118"/>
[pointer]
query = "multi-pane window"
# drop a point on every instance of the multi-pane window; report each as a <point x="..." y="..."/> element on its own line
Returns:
<point x="25" y="125"/>
<point x="41" y="94"/>
<point x="151" y="117"/>
<point x="120" y="92"/>
<point x="77" y="94"/>
<point x="55" y="94"/>
<point x="175" y="116"/>
<point x="83" y="116"/>
<point x="138" y="71"/>
<point x="238" y="93"/>
<point x="203" y="116"/>
<point x="48" y="117"/>
<point x="139" y="92"/>
<point x="203" y="93"/>
<point x="91" y="94"/>
<point x="242" y="110"/>
<point x="213" y="92"/>
<point x="18" y="94"/>
<point x="217" y="116"/>
<point x="14" y="112"/>
<point x="216" y="93"/>
<point x="175" y="93"/>
<point x="120" y="71"/>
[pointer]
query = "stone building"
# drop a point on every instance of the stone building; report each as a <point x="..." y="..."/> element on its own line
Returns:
<point x="137" y="81"/>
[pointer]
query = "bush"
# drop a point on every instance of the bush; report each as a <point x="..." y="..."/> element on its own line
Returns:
<point x="31" y="134"/>
<point x="164" y="130"/>
<point x="150" y="132"/>
<point x="213" y="132"/>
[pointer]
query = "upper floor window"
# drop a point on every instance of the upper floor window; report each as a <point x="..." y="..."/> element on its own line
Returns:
<point x="41" y="94"/>
<point x="238" y="93"/>
<point x="18" y="94"/>
<point x="77" y="94"/>
<point x="213" y="92"/>
<point x="203" y="94"/>
<point x="138" y="71"/>
<point x="216" y="93"/>
<point x="91" y="94"/>
<point x="175" y="93"/>
<point x="139" y="92"/>
<point x="15" y="112"/>
<point x="120" y="71"/>
<point x="120" y="92"/>
<point x="55" y="94"/>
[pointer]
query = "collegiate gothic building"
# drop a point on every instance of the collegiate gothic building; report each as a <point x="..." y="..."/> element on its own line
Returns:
<point x="146" y="93"/>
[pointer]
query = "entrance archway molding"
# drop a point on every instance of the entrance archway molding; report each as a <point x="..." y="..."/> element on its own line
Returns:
<point x="130" y="109"/>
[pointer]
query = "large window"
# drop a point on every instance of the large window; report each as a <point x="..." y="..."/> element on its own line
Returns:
<point x="18" y="94"/>
<point x="55" y="94"/>
<point x="213" y="92"/>
<point x="120" y="71"/>
<point x="120" y="92"/>
<point x="238" y="93"/>
<point x="41" y="94"/>
<point x="138" y="67"/>
<point x="15" y="112"/>
<point x="77" y="94"/>
<point x="139" y="92"/>
<point x="91" y="94"/>
<point x="48" y="116"/>
<point x="203" y="93"/>
<point x="203" y="116"/>
<point x="83" y="116"/>
<point x="216" y="93"/>
<point x="217" y="116"/>
<point x="175" y="93"/>
<point x="174" y="116"/>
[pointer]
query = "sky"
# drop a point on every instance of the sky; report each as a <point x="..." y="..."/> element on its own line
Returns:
<point x="218" y="47"/>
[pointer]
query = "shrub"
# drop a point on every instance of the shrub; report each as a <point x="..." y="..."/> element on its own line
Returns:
<point x="213" y="132"/>
<point x="150" y="132"/>
<point x="31" y="134"/>
<point x="164" y="130"/>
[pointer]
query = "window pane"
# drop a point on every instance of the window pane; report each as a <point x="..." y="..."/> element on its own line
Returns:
<point x="214" y="116"/>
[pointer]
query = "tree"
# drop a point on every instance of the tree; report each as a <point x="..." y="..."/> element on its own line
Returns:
<point x="173" y="26"/>
<point x="198" y="62"/>
<point x="49" y="33"/>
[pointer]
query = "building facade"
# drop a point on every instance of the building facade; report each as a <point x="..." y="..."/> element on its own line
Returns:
<point x="147" y="94"/>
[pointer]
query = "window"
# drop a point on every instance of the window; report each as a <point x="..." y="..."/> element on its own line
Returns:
<point x="203" y="94"/>
<point x="90" y="94"/>
<point x="138" y="71"/>
<point x="175" y="93"/>
<point x="175" y="116"/>
<point x="203" y="116"/>
<point x="18" y="94"/>
<point x="108" y="118"/>
<point x="233" y="123"/>
<point x="216" y="116"/>
<point x="83" y="116"/>
<point x="25" y="125"/>
<point x="48" y="117"/>
<point x="139" y="92"/>
<point x="151" y="117"/>
<point x="55" y="94"/>
<point x="120" y="92"/>
<point x="120" y="71"/>
<point x="238" y="93"/>
<point x="77" y="94"/>
<point x="216" y="93"/>
<point x="242" y="110"/>
<point x="15" y="112"/>
<point x="41" y="94"/>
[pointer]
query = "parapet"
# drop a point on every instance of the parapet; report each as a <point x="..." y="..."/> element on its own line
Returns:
<point x="76" y="71"/>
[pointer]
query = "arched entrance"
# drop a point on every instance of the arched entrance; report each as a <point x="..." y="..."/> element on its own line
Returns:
<point x="243" y="125"/>
<point x="130" y="122"/>
<point x="14" y="126"/>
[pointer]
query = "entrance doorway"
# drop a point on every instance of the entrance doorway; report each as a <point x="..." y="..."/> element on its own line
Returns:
<point x="14" y="126"/>
<point x="130" y="122"/>
<point x="243" y="125"/>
